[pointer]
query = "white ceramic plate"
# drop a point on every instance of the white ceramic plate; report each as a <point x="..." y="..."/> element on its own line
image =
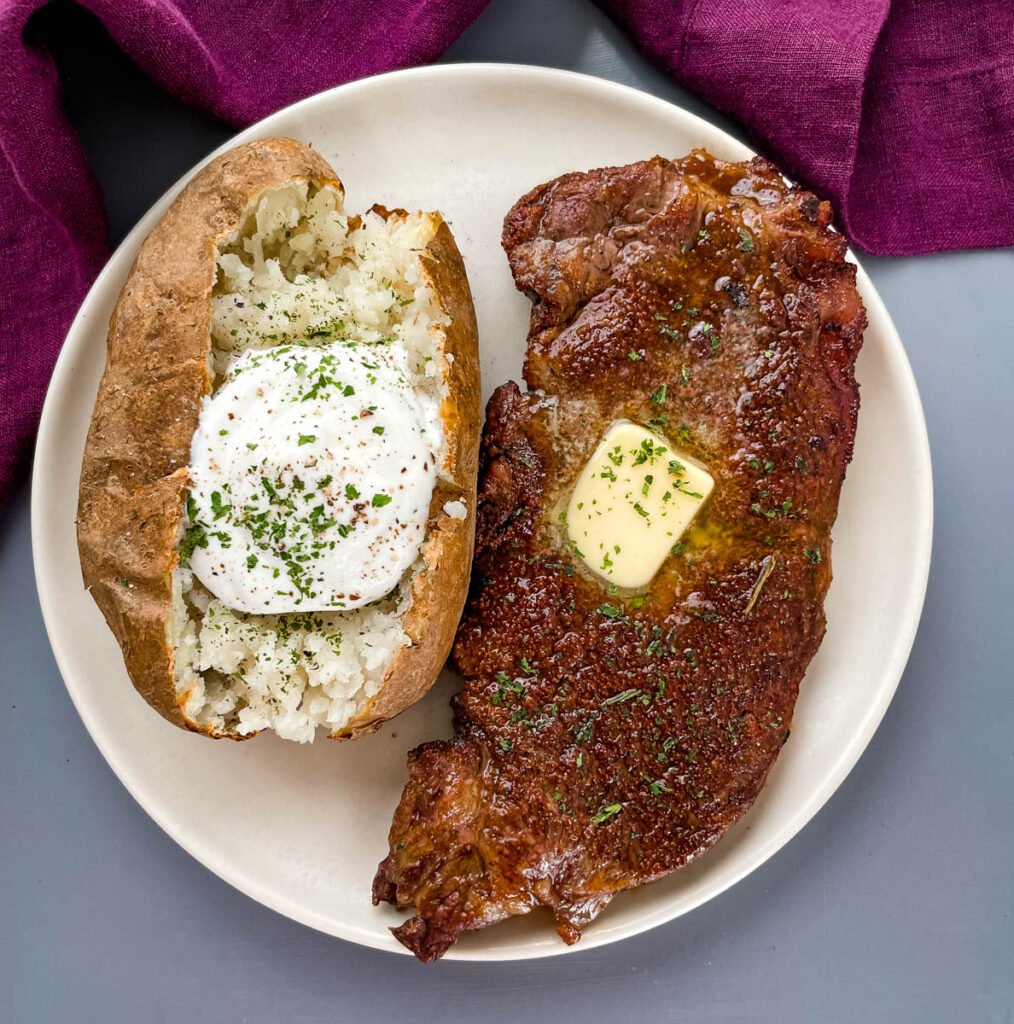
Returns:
<point x="302" y="829"/>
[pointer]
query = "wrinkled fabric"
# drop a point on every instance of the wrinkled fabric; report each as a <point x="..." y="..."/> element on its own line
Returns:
<point x="900" y="111"/>
<point x="238" y="59"/>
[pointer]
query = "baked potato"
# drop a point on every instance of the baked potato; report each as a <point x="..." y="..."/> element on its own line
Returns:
<point x="280" y="377"/>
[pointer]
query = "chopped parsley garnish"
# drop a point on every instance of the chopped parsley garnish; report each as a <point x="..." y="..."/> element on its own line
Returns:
<point x="606" y="812"/>
<point x="621" y="698"/>
<point x="506" y="687"/>
<point x="648" y="452"/>
<point x="380" y="500"/>
<point x="711" y="334"/>
<point x="217" y="508"/>
<point x="307" y="439"/>
<point x="195" y="537"/>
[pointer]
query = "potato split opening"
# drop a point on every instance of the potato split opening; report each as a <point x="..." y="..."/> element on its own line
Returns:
<point x="301" y="271"/>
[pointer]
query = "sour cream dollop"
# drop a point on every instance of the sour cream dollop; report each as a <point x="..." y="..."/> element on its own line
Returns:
<point x="311" y="474"/>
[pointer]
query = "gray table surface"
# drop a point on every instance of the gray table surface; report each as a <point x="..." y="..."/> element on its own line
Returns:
<point x="895" y="904"/>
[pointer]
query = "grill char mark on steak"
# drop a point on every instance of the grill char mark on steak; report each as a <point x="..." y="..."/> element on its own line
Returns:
<point x="604" y="740"/>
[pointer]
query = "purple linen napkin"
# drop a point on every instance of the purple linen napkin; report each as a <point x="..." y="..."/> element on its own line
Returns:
<point x="900" y="111"/>
<point x="239" y="59"/>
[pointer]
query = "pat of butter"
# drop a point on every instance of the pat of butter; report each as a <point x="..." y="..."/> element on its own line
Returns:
<point x="632" y="503"/>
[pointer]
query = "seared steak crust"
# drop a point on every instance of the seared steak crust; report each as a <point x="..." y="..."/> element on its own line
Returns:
<point x="605" y="739"/>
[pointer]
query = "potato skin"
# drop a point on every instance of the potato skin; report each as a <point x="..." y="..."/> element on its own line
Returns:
<point x="134" y="473"/>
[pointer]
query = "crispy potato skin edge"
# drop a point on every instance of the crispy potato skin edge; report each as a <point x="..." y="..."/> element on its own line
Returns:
<point x="133" y="476"/>
<point x="438" y="594"/>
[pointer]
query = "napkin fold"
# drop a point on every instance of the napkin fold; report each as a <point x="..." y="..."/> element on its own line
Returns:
<point x="900" y="111"/>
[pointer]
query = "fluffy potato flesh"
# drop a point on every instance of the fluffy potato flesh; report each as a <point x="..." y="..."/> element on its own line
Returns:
<point x="300" y="271"/>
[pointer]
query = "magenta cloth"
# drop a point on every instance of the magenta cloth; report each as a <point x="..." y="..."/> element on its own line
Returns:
<point x="900" y="111"/>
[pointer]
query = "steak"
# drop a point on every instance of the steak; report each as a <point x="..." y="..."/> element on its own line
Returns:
<point x="604" y="739"/>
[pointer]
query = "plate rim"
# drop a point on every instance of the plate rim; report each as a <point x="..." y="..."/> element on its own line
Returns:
<point x="905" y="635"/>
